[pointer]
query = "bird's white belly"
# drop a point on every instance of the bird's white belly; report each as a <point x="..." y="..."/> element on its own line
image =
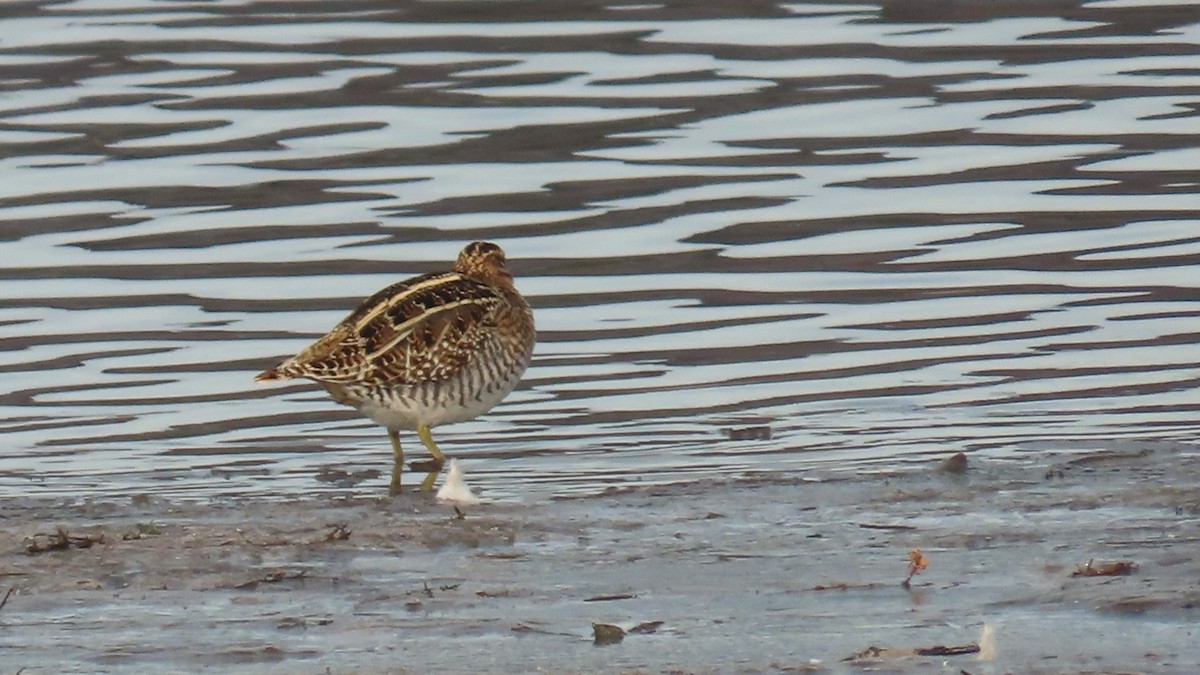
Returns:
<point x="433" y="404"/>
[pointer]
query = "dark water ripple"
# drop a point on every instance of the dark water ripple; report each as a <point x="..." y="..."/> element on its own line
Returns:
<point x="882" y="231"/>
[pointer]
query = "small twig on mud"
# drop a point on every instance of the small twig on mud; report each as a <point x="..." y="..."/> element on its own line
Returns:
<point x="609" y="598"/>
<point x="7" y="595"/>
<point x="881" y="526"/>
<point x="942" y="650"/>
<point x="842" y="586"/>
<point x="1109" y="569"/>
<point x="61" y="540"/>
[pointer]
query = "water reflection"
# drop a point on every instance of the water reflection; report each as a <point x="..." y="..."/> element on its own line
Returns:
<point x="883" y="231"/>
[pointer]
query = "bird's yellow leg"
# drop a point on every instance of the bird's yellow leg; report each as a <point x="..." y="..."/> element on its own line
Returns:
<point x="430" y="478"/>
<point x="438" y="458"/>
<point x="398" y="461"/>
<point x="427" y="439"/>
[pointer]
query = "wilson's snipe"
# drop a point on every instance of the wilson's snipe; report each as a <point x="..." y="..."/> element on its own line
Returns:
<point x="438" y="348"/>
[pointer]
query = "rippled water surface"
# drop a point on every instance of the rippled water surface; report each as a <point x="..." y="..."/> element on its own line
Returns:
<point x="879" y="231"/>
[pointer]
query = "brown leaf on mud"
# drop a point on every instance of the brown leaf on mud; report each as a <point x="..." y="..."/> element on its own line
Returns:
<point x="1116" y="568"/>
<point x="917" y="562"/>
<point x="956" y="463"/>
<point x="607" y="634"/>
<point x="646" y="627"/>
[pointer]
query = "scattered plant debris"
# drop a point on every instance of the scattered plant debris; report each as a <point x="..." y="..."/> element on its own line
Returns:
<point x="609" y="598"/>
<point x="607" y="634"/>
<point x="337" y="532"/>
<point x="272" y="577"/>
<point x="956" y="463"/>
<point x="880" y="526"/>
<point x="917" y="562"/>
<point x="610" y="634"/>
<point x="302" y="622"/>
<point x="646" y="627"/>
<point x="427" y="591"/>
<point x="526" y="628"/>
<point x="941" y="650"/>
<point x="758" y="433"/>
<point x="11" y="590"/>
<point x="143" y="530"/>
<point x="264" y="544"/>
<point x="843" y="586"/>
<point x="1116" y="568"/>
<point x="501" y="555"/>
<point x="61" y="540"/>
<point x="876" y="653"/>
<point x="426" y="465"/>
<point x="345" y="479"/>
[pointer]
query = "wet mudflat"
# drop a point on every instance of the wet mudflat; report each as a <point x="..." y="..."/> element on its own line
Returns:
<point x="882" y="229"/>
<point x="763" y="573"/>
<point x="884" y="232"/>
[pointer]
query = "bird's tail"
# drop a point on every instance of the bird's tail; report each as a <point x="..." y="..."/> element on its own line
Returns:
<point x="271" y="374"/>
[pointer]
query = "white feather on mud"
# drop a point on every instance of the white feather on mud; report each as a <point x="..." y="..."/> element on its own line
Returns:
<point x="455" y="489"/>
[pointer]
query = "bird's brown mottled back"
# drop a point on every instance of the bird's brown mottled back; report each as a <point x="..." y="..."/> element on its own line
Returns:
<point x="422" y="329"/>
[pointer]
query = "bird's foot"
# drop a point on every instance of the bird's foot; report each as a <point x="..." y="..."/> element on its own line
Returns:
<point x="432" y="465"/>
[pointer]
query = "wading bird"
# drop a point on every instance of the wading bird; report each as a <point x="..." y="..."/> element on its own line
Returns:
<point x="437" y="348"/>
